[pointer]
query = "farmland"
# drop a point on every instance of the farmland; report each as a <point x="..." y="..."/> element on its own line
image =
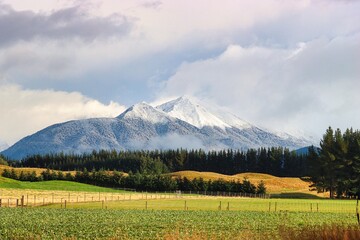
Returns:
<point x="44" y="223"/>
<point x="92" y="212"/>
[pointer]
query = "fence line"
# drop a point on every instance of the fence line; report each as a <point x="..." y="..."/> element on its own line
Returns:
<point x="40" y="199"/>
<point x="143" y="200"/>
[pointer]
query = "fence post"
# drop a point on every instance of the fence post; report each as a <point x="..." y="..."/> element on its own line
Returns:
<point x="17" y="202"/>
<point x="269" y="206"/>
<point x="357" y="210"/>
<point x="317" y="207"/>
<point x="65" y="204"/>
<point x="311" y="207"/>
<point x="228" y="206"/>
<point x="220" y="206"/>
<point x="22" y="200"/>
<point x="102" y="204"/>
<point x="275" y="206"/>
<point x="185" y="206"/>
<point x="0" y="202"/>
<point x="145" y="205"/>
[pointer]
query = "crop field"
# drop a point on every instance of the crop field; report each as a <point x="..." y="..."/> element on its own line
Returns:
<point x="45" y="223"/>
<point x="68" y="210"/>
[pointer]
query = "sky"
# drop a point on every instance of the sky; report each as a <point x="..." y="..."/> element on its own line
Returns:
<point x="289" y="65"/>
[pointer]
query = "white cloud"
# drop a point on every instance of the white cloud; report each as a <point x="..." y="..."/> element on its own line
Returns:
<point x="308" y="87"/>
<point x="281" y="63"/>
<point x="24" y="112"/>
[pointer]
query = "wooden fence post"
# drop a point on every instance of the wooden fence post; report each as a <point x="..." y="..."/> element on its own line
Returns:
<point x="269" y="206"/>
<point x="65" y="204"/>
<point x="275" y="206"/>
<point x="146" y="205"/>
<point x="22" y="200"/>
<point x="220" y="206"/>
<point x="0" y="202"/>
<point x="17" y="202"/>
<point x="357" y="211"/>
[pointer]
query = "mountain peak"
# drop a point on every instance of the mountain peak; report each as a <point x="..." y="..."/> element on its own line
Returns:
<point x="189" y="110"/>
<point x="145" y="112"/>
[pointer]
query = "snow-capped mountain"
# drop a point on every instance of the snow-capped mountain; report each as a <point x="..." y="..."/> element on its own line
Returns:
<point x="191" y="111"/>
<point x="183" y="122"/>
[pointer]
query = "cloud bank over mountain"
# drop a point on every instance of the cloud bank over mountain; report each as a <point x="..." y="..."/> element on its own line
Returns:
<point x="290" y="65"/>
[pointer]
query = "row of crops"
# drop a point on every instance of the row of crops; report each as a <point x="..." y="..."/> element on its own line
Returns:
<point x="45" y="223"/>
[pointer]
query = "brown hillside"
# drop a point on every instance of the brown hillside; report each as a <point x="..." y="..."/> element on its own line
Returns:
<point x="29" y="170"/>
<point x="274" y="185"/>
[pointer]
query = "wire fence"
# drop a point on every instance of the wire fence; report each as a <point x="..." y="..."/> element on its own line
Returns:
<point x="179" y="201"/>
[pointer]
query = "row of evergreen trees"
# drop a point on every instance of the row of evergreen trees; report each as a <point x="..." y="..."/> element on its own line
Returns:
<point x="336" y="166"/>
<point x="140" y="182"/>
<point x="275" y="161"/>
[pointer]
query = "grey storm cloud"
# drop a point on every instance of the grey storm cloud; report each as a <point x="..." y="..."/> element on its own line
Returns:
<point x="72" y="22"/>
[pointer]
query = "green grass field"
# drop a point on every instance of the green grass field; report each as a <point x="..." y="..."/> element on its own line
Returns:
<point x="224" y="204"/>
<point x="55" y="185"/>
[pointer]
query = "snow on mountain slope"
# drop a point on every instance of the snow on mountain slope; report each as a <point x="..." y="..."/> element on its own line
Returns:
<point x="187" y="110"/>
<point x="145" y="112"/>
<point x="190" y="110"/>
<point x="183" y="122"/>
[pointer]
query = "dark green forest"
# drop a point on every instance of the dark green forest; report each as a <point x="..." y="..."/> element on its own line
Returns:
<point x="141" y="182"/>
<point x="274" y="161"/>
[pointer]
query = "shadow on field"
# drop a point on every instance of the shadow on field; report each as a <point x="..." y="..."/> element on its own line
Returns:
<point x="296" y="195"/>
<point x="328" y="232"/>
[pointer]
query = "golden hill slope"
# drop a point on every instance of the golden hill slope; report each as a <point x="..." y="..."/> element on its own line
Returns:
<point x="38" y="171"/>
<point x="274" y="185"/>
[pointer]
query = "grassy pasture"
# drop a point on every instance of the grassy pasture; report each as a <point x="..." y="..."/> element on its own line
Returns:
<point x="193" y="203"/>
<point x="36" y="193"/>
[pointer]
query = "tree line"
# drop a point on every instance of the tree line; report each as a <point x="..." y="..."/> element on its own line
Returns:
<point x="336" y="166"/>
<point x="140" y="182"/>
<point x="276" y="161"/>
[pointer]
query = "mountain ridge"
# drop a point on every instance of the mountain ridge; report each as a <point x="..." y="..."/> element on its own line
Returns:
<point x="182" y="122"/>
